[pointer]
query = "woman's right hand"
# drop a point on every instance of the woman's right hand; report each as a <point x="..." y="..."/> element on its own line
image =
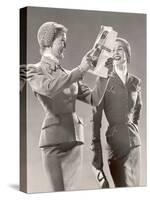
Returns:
<point x="109" y="66"/>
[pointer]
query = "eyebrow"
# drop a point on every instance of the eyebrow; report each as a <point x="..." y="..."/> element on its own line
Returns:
<point x="120" y="47"/>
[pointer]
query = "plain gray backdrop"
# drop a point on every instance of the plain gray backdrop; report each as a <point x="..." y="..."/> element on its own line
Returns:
<point x="83" y="27"/>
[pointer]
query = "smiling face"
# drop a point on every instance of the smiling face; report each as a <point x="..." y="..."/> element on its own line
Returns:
<point x="59" y="44"/>
<point x="119" y="54"/>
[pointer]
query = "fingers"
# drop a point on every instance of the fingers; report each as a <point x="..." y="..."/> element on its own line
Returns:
<point x="109" y="66"/>
<point x="89" y="53"/>
<point x="109" y="63"/>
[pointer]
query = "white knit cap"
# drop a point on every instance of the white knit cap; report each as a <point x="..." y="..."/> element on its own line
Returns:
<point x="47" y="32"/>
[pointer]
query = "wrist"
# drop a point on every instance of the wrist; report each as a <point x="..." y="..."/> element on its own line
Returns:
<point x="82" y="69"/>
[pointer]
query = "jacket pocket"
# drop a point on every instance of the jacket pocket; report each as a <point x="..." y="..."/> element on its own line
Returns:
<point x="77" y="119"/>
<point x="80" y="120"/>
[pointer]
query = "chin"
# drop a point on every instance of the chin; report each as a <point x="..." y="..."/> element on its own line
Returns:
<point x="59" y="57"/>
<point x="117" y="62"/>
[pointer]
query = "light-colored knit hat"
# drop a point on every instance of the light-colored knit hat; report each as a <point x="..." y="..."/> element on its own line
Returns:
<point x="47" y="32"/>
<point x="126" y="47"/>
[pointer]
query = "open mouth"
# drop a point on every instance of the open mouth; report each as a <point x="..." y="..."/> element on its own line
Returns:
<point x="117" y="57"/>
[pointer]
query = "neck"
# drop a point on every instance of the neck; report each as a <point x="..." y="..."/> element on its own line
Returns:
<point x="51" y="56"/>
<point x="121" y="70"/>
<point x="121" y="67"/>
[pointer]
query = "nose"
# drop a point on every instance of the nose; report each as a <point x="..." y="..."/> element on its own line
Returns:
<point x="115" y="51"/>
<point x="65" y="45"/>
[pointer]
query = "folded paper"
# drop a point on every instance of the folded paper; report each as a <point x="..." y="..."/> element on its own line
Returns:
<point x="102" y="50"/>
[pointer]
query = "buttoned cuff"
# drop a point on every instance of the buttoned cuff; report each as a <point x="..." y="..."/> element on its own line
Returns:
<point x="82" y="71"/>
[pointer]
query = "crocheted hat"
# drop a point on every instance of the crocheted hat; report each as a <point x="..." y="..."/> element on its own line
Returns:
<point x="47" y="33"/>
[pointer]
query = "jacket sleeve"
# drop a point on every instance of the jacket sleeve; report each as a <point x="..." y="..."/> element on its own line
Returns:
<point x="96" y="145"/>
<point x="94" y="96"/>
<point x="97" y="121"/>
<point x="49" y="85"/>
<point x="22" y="76"/>
<point x="138" y="105"/>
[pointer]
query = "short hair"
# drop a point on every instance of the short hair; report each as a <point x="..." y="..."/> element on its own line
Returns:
<point x="48" y="32"/>
<point x="126" y="47"/>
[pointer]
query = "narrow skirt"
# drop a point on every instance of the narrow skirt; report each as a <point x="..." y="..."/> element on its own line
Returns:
<point x="62" y="165"/>
<point x="125" y="171"/>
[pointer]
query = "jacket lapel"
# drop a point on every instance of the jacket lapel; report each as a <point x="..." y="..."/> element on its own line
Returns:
<point x="131" y="83"/>
<point x="117" y="79"/>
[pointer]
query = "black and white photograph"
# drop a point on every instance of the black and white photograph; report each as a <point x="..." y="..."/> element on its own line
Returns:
<point x="93" y="141"/>
<point x="82" y="99"/>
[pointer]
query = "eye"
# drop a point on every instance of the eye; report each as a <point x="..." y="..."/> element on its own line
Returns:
<point x="120" y="49"/>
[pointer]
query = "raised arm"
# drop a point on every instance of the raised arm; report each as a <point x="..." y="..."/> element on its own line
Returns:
<point x="22" y="76"/>
<point x="96" y="145"/>
<point x="94" y="96"/>
<point x="50" y="85"/>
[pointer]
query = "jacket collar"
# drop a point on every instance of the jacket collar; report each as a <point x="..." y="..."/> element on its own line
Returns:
<point x="50" y="65"/>
<point x="129" y="80"/>
<point x="116" y="77"/>
<point x="48" y="61"/>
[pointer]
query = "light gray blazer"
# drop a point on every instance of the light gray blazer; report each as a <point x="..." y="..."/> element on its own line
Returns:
<point x="57" y="90"/>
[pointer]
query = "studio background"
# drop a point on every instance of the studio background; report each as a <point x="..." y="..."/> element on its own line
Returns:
<point x="83" y="27"/>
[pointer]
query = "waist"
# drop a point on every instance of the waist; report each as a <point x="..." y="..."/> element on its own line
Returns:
<point x="119" y="123"/>
<point x="119" y="118"/>
<point x="60" y="114"/>
<point x="63" y="117"/>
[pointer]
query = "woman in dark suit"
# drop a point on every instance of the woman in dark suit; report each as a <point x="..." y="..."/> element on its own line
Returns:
<point x="122" y="106"/>
<point x="57" y="90"/>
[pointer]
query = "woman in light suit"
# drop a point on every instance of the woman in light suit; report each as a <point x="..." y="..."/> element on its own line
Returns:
<point x="57" y="90"/>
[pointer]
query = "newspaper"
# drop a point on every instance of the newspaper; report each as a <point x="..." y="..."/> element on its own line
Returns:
<point x="102" y="50"/>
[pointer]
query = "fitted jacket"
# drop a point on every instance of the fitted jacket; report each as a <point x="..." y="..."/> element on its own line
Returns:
<point x="57" y="90"/>
<point x="122" y="105"/>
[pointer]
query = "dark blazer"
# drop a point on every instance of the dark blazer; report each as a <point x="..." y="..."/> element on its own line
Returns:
<point x="122" y="105"/>
<point x="57" y="90"/>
